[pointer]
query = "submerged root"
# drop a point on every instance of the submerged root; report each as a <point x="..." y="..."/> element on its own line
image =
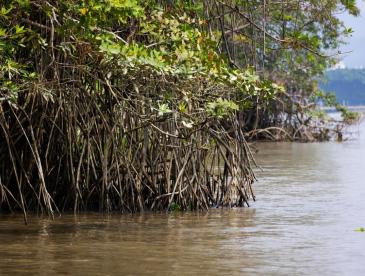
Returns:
<point x="109" y="149"/>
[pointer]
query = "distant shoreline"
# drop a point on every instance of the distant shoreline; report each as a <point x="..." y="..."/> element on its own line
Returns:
<point x="357" y="108"/>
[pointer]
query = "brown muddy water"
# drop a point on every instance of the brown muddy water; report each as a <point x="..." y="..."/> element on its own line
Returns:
<point x="310" y="200"/>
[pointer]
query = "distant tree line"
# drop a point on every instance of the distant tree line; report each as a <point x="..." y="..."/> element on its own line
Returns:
<point x="347" y="84"/>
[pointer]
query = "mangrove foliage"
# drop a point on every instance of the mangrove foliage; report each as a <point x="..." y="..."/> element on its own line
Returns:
<point x="148" y="105"/>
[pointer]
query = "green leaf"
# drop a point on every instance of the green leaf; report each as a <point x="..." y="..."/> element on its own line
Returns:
<point x="221" y="107"/>
<point x="4" y="11"/>
<point x="2" y="32"/>
<point x="113" y="49"/>
<point x="19" y="29"/>
<point x="23" y="3"/>
<point x="163" y="109"/>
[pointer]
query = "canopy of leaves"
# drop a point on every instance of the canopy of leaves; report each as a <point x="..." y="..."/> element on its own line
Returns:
<point x="117" y="37"/>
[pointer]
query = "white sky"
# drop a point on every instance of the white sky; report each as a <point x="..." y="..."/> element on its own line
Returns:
<point x="356" y="43"/>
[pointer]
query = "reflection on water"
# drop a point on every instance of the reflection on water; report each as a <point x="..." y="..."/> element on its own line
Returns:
<point x="310" y="200"/>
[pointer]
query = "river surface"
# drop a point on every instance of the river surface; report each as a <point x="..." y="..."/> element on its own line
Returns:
<point x="310" y="200"/>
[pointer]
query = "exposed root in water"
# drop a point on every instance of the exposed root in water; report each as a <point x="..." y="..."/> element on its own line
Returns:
<point x="107" y="148"/>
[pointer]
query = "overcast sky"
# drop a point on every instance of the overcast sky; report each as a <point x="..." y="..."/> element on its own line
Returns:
<point x="356" y="43"/>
